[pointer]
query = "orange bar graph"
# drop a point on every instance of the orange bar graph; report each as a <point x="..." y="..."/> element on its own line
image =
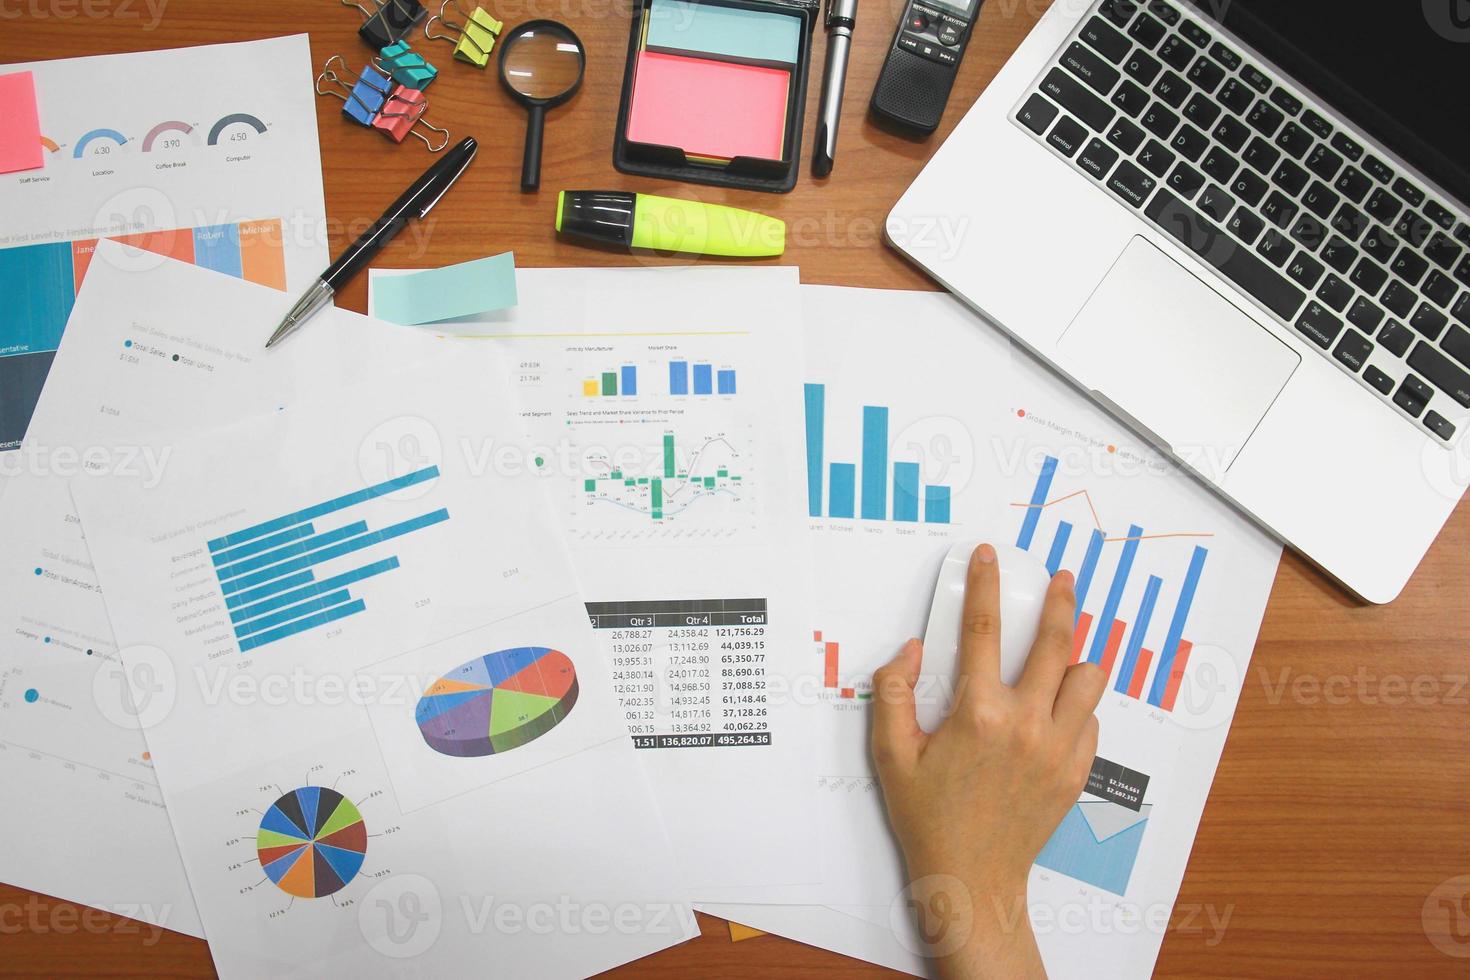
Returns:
<point x="174" y="244"/>
<point x="1110" y="650"/>
<point x="1084" y="623"/>
<point x="1140" y="671"/>
<point x="829" y="676"/>
<point x="263" y="253"/>
<point x="1176" y="674"/>
<point x="81" y="257"/>
<point x="849" y="692"/>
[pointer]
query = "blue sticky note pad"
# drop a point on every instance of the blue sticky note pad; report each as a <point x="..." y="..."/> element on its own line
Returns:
<point x="479" y="286"/>
<point x="731" y="32"/>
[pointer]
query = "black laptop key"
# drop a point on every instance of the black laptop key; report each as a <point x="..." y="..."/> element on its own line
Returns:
<point x="1462" y="234"/>
<point x="1352" y="350"/>
<point x="1184" y="180"/>
<point x="1439" y="425"/>
<point x="1304" y="270"/>
<point x="1146" y="31"/>
<point x="1309" y="232"/>
<point x="1380" y="244"/>
<point x="1159" y="121"/>
<point x="1232" y="133"/>
<point x="1195" y="232"/>
<point x="1097" y="158"/>
<point x="1172" y="89"/>
<point x="1319" y="126"/>
<point x="1399" y="299"/>
<point x="1396" y="338"/>
<point x="1265" y="119"/>
<point x="1275" y="248"/>
<point x="1261" y="155"/>
<point x="1409" y="266"/>
<point x="1380" y="381"/>
<point x="1461" y="310"/>
<point x="1323" y="162"/>
<point x="1441" y="372"/>
<point x="1201" y="111"/>
<point x="1037" y="114"/>
<point x="1077" y="99"/>
<point x="1377" y="169"/>
<point x="1155" y="158"/>
<point x="1131" y="184"/>
<point x="1462" y="271"/>
<point x="1125" y="136"/>
<point x="1142" y="66"/>
<point x="1286" y="102"/>
<point x="1279" y="209"/>
<point x="1236" y="97"/>
<point x="1226" y="56"/>
<point x="1176" y="53"/>
<point x="1091" y="67"/>
<point x="1067" y="135"/>
<point x="1442" y="250"/>
<point x="1318" y="325"/>
<point x="1219" y="165"/>
<point x="1339" y="254"/>
<point x="1364" y="315"/>
<point x="1351" y="222"/>
<point x="1347" y="146"/>
<point x="1320" y="199"/>
<point x="1246" y="225"/>
<point x="1206" y="74"/>
<point x="1456" y="343"/>
<point x="1256" y="79"/>
<point x="1189" y="143"/>
<point x="1353" y="184"/>
<point x="1369" y="276"/>
<point x="1164" y="11"/>
<point x="1383" y="206"/>
<point x="1408" y="192"/>
<point x="1216" y="203"/>
<point x="1413" y="228"/>
<point x="1429" y="321"/>
<point x="1439" y="214"/>
<point x="1295" y="140"/>
<point x="1290" y="178"/>
<point x="1130" y="98"/>
<point x="1102" y="36"/>
<point x="1439" y="287"/>
<point x="1334" y="293"/>
<point x="1118" y="11"/>
<point x="1248" y="187"/>
<point x="1413" y="395"/>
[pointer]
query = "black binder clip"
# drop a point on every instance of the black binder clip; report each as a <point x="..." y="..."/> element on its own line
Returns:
<point x="387" y="20"/>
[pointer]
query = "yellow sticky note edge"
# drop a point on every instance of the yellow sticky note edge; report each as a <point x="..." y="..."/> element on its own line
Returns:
<point x="739" y="933"/>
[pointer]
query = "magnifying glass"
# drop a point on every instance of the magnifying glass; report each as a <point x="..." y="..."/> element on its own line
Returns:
<point x="541" y="64"/>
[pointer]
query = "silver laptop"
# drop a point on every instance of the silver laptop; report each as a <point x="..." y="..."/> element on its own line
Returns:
<point x="1242" y="227"/>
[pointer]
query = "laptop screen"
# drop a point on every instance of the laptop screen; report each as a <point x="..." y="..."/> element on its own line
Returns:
<point x="1397" y="68"/>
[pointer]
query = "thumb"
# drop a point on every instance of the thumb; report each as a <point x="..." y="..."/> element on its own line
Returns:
<point x="897" y="737"/>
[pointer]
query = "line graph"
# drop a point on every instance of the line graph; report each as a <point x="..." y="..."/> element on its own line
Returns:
<point x="663" y="483"/>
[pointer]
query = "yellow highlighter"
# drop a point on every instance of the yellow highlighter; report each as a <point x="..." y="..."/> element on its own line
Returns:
<point x="668" y="225"/>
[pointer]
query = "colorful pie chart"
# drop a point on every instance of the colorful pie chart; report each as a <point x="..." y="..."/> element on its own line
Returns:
<point x="497" y="702"/>
<point x="311" y="842"/>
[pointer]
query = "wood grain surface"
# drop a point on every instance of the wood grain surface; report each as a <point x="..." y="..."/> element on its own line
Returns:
<point x="1340" y="811"/>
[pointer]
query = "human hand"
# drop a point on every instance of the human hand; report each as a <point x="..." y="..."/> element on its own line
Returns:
<point x="978" y="798"/>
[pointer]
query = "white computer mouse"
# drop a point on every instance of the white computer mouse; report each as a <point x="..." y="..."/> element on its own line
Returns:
<point x="1023" y="583"/>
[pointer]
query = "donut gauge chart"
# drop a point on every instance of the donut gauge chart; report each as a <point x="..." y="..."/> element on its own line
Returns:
<point x="497" y="702"/>
<point x="311" y="842"/>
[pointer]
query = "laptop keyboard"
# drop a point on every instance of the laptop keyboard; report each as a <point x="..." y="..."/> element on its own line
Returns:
<point x="1278" y="196"/>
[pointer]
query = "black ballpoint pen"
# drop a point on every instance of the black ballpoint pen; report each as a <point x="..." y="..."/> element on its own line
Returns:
<point x="416" y="202"/>
<point x="841" y="16"/>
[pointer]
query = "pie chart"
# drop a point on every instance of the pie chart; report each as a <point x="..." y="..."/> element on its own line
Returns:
<point x="311" y="842"/>
<point x="497" y="702"/>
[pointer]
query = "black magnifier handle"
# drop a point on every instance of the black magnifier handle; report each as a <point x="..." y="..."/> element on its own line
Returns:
<point x="531" y="162"/>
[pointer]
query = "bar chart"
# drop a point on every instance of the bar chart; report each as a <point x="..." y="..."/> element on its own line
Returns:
<point x="860" y="690"/>
<point x="686" y="378"/>
<point x="874" y="488"/>
<point x="1101" y="631"/>
<point x="674" y="483"/>
<point x="268" y="572"/>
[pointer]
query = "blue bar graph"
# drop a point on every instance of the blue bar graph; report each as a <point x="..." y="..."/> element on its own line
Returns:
<point x="218" y="248"/>
<point x="1058" y="547"/>
<point x="1038" y="500"/>
<point x="1089" y="566"/>
<point x="292" y="612"/>
<point x="302" y="625"/>
<point x="1176" y="626"/>
<point x="336" y="551"/>
<point x="703" y="379"/>
<point x="725" y="381"/>
<point x="292" y="550"/>
<point x="678" y="377"/>
<point x="936" y="505"/>
<point x="905" y="491"/>
<point x="262" y="544"/>
<point x="1115" y="595"/>
<point x="248" y="605"/>
<point x="816" y="407"/>
<point x="843" y="479"/>
<point x="278" y="586"/>
<point x="1140" y="630"/>
<point x="875" y="463"/>
<point x="630" y="379"/>
<point x="327" y="507"/>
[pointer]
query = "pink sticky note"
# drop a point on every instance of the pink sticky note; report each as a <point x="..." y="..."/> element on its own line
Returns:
<point x="20" y="124"/>
<point x="709" y="108"/>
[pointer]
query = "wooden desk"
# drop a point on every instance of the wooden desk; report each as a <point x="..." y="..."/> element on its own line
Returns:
<point x="1341" y="802"/>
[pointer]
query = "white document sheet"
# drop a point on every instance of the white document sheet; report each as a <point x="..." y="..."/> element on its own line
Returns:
<point x="205" y="154"/>
<point x="131" y="368"/>
<point x="392" y="747"/>
<point x="662" y="409"/>
<point x="1047" y="471"/>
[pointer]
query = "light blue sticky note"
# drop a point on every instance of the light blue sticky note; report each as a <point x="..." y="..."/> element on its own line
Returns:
<point x="478" y="286"/>
<point x="732" y="32"/>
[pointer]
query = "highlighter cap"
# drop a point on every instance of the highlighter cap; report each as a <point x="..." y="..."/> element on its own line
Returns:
<point x="604" y="215"/>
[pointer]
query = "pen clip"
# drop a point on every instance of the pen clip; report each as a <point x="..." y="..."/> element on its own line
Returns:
<point x="450" y="182"/>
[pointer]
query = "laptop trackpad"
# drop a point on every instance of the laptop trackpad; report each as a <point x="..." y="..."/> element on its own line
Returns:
<point x="1176" y="356"/>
